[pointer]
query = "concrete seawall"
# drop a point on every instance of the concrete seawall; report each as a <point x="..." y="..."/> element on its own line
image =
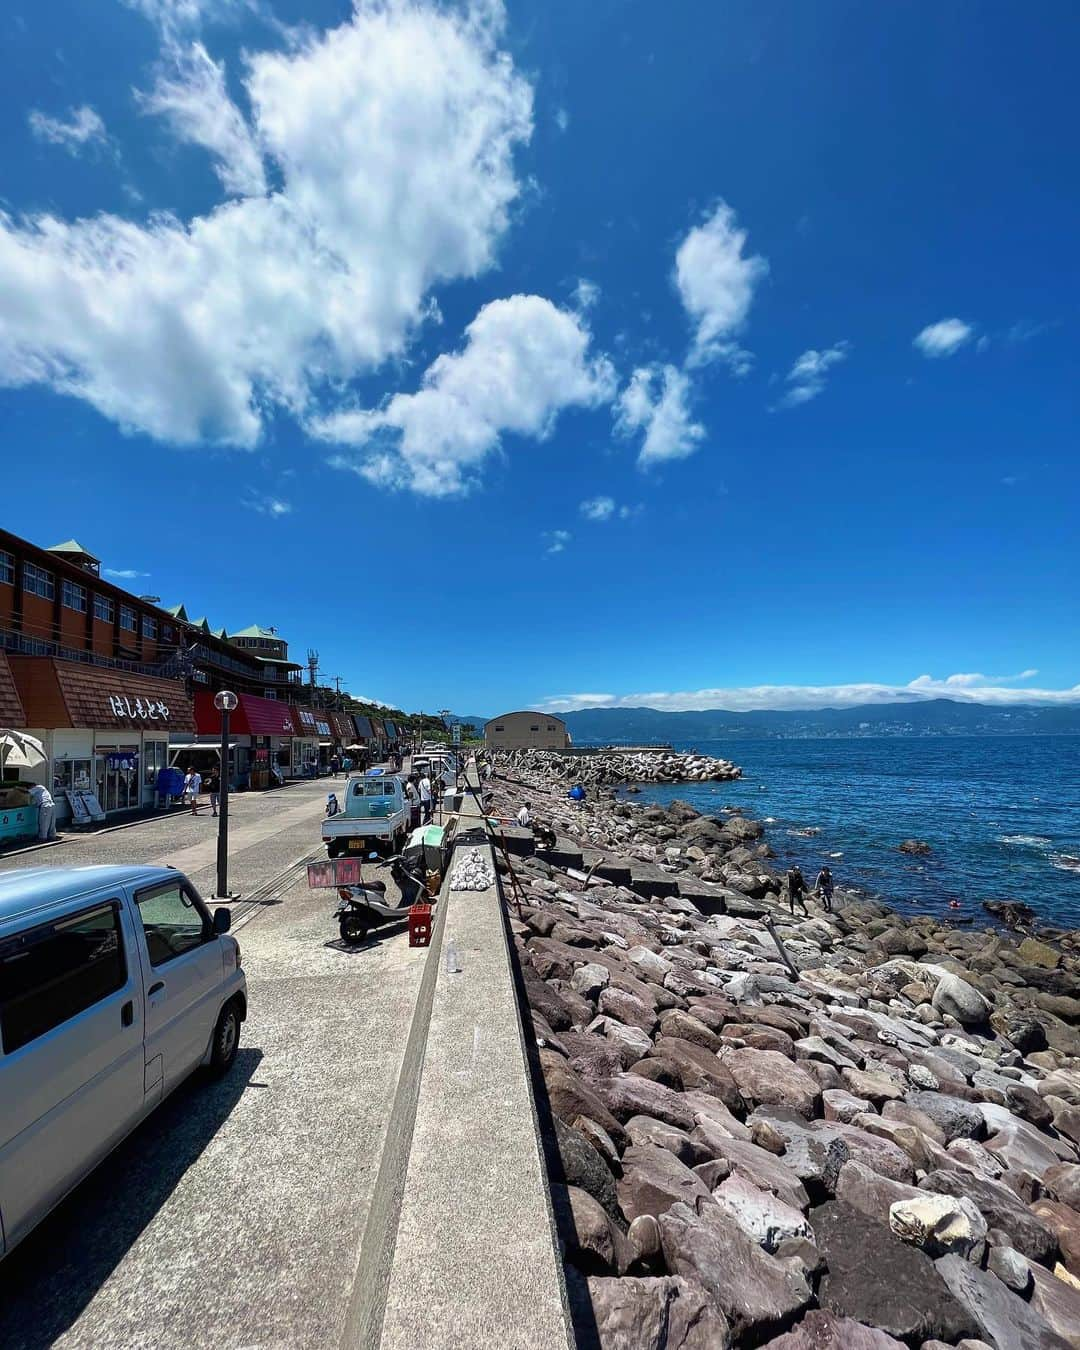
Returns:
<point x="460" y="1247"/>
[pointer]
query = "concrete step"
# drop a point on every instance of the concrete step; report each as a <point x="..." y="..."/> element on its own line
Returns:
<point x="706" y="895"/>
<point x="615" y="870"/>
<point x="566" y="853"/>
<point x="652" y="881"/>
<point x="520" y="842"/>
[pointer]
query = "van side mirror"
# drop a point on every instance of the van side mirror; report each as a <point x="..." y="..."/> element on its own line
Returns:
<point x="222" y="920"/>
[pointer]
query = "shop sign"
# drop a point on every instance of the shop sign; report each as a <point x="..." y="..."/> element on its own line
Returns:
<point x="151" y="709"/>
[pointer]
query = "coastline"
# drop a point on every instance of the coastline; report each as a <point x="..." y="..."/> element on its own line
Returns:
<point x="739" y="1090"/>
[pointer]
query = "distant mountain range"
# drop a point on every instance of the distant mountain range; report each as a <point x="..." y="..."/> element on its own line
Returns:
<point x="929" y="717"/>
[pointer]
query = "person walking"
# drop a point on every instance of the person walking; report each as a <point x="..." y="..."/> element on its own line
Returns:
<point x="524" y="816"/>
<point x="192" y="788"/>
<point x="335" y="765"/>
<point x="796" y="890"/>
<point x="425" y="799"/>
<point x="824" y="886"/>
<point x="213" y="786"/>
<point x="42" y="798"/>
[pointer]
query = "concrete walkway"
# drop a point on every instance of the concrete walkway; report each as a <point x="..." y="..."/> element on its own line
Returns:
<point x="474" y="1258"/>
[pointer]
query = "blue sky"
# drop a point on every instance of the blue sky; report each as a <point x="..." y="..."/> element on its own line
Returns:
<point x="564" y="355"/>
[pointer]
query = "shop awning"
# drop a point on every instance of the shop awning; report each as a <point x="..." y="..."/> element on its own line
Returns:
<point x="254" y="716"/>
<point x="68" y="694"/>
<point x="11" y="708"/>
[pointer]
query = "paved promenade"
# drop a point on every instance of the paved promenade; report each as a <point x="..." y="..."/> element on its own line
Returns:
<point x="233" y="1216"/>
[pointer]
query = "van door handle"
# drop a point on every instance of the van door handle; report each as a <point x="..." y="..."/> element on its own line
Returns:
<point x="127" y="1014"/>
<point x="155" y="989"/>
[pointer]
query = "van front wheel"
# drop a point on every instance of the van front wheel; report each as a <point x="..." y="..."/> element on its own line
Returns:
<point x="226" y="1040"/>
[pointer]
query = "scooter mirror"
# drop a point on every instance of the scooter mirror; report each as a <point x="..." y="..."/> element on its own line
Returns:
<point x="372" y="857"/>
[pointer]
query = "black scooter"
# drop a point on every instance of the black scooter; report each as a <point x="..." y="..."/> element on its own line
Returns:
<point x="367" y="905"/>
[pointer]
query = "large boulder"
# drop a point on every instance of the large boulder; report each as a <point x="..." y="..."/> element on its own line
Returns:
<point x="1064" y="1222"/>
<point x="762" y="1216"/>
<point x="583" y="1166"/>
<point x="654" y="1179"/>
<point x="875" y="1278"/>
<point x="756" y="1292"/>
<point x="1000" y="1207"/>
<point x="1057" y="1300"/>
<point x="954" y="1117"/>
<point x="646" y="1130"/>
<point x="1003" y="1320"/>
<point x="821" y="1330"/>
<point x="940" y="1225"/>
<point x="768" y="1077"/>
<point x="628" y="1009"/>
<point x="701" y="1068"/>
<point x="961" y="1000"/>
<point x="570" y="1097"/>
<point x="594" y="1243"/>
<point x="629" y="1094"/>
<point x="862" y="1188"/>
<point x="666" y="1313"/>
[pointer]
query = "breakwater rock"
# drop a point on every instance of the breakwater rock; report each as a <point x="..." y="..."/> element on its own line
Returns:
<point x="873" y="1143"/>
<point x="609" y="767"/>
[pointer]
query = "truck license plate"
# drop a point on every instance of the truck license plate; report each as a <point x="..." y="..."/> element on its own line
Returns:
<point x="356" y="843"/>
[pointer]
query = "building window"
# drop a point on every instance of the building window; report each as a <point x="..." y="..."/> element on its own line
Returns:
<point x="104" y="609"/>
<point x="270" y="693"/>
<point x="168" y="633"/>
<point x="534" y="728"/>
<point x="149" y="627"/>
<point x="38" y="582"/>
<point x="500" y="728"/>
<point x="127" y="619"/>
<point x="550" y="727"/>
<point x="200" y="677"/>
<point x="73" y="596"/>
<point x="71" y="775"/>
<point x="7" y="568"/>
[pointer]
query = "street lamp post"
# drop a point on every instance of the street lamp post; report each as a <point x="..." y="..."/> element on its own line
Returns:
<point x="225" y="702"/>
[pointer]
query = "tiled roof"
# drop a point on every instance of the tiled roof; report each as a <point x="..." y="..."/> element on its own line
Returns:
<point x="11" y="708"/>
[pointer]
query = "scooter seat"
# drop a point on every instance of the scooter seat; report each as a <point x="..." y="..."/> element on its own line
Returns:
<point x="379" y="886"/>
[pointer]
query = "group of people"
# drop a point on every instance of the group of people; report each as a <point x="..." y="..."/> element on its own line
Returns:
<point x="797" y="889"/>
<point x="193" y="786"/>
<point x="421" y="793"/>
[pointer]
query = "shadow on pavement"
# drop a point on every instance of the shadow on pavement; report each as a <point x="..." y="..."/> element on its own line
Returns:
<point x="375" y="938"/>
<point x="56" y="1272"/>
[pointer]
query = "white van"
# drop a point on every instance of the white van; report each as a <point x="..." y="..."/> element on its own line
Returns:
<point x="115" y="983"/>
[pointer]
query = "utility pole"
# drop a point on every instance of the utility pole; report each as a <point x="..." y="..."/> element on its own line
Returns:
<point x="313" y="670"/>
<point x="225" y="702"/>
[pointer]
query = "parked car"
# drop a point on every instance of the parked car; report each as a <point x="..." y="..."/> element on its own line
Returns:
<point x="115" y="984"/>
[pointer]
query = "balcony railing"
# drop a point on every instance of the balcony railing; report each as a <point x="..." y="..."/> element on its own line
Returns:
<point x="20" y="644"/>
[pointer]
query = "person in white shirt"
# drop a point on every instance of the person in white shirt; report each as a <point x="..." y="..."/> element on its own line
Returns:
<point x="524" y="816"/>
<point x="192" y="788"/>
<point x="42" y="798"/>
<point x="425" y="798"/>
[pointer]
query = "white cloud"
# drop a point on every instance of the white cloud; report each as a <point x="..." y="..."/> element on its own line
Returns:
<point x="656" y="401"/>
<point x="716" y="283"/>
<point x="523" y="362"/>
<point x="781" y="697"/>
<point x="392" y="137"/>
<point x="598" y="508"/>
<point x="123" y="573"/>
<point x="944" y="337"/>
<point x="557" y="540"/>
<point x="83" y="127"/>
<point x="585" y="294"/>
<point x="807" y="376"/>
<point x="194" y="99"/>
<point x="266" y="505"/>
<point x="562" y="118"/>
<point x="172" y="15"/>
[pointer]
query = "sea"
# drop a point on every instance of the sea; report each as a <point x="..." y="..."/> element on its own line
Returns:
<point x="1001" y="815"/>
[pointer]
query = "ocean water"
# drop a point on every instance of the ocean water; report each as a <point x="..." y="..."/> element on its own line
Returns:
<point x="1001" y="814"/>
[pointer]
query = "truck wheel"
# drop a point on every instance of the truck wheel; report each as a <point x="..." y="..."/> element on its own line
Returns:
<point x="226" y="1041"/>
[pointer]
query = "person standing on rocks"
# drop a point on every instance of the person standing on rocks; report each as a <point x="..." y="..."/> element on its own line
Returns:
<point x="524" y="816"/>
<point x="824" y="886"/>
<point x="796" y="890"/>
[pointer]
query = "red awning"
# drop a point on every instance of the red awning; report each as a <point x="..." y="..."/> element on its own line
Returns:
<point x="254" y="716"/>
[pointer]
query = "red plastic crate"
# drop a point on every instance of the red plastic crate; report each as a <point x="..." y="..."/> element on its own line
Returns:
<point x="419" y="925"/>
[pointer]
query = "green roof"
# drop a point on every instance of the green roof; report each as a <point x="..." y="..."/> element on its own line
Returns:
<point x="178" y="612"/>
<point x="220" y="633"/>
<point x="72" y="546"/>
<point x="256" y="630"/>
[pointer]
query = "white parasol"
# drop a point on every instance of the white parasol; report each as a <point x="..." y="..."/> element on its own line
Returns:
<point x="19" y="750"/>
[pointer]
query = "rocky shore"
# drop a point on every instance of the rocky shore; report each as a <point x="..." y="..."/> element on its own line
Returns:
<point x="848" y="1131"/>
<point x="607" y="767"/>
